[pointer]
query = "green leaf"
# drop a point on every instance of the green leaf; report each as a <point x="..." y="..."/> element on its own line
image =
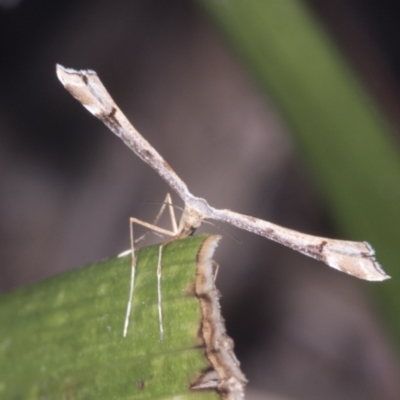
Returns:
<point x="62" y="338"/>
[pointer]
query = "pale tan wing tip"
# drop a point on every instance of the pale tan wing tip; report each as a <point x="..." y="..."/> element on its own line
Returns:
<point x="383" y="276"/>
<point x="357" y="259"/>
<point x="377" y="272"/>
<point x="87" y="88"/>
<point x="63" y="72"/>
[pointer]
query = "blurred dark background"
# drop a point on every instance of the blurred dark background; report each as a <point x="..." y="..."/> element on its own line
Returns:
<point x="68" y="186"/>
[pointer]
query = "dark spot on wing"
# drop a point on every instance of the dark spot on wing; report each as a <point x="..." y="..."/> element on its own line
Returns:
<point x="112" y="113"/>
<point x="110" y="117"/>
<point x="110" y="120"/>
<point x="317" y="250"/>
<point x="322" y="245"/>
<point x="147" y="154"/>
<point x="85" y="79"/>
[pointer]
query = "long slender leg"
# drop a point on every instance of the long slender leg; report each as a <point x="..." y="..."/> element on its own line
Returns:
<point x="159" y="266"/>
<point x="159" y="298"/>
<point x="132" y="283"/>
<point x="166" y="203"/>
<point x="162" y="231"/>
<point x="159" y="292"/>
<point x="133" y="265"/>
